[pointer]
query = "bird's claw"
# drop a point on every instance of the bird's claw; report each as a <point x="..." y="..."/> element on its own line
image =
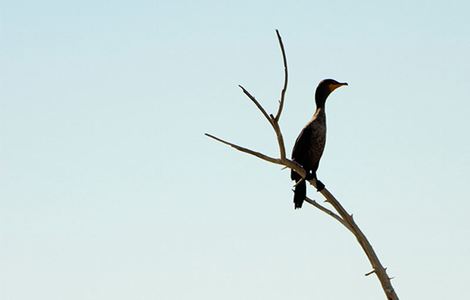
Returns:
<point x="310" y="176"/>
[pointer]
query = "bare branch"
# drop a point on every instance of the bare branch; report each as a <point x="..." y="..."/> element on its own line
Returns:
<point x="280" y="138"/>
<point x="327" y="211"/>
<point x="342" y="215"/>
<point x="380" y="271"/>
<point x="271" y="120"/>
<point x="260" y="107"/>
<point x="283" y="92"/>
<point x="246" y="150"/>
<point x="369" y="273"/>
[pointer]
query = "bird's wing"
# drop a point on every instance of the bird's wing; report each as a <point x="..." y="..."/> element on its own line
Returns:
<point x="309" y="146"/>
<point x="299" y="154"/>
<point x="301" y="144"/>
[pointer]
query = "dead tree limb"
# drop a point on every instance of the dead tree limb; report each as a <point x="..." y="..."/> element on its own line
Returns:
<point x="286" y="77"/>
<point x="328" y="212"/>
<point x="341" y="215"/>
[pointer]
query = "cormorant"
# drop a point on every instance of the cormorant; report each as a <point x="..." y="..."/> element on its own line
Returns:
<point x="310" y="143"/>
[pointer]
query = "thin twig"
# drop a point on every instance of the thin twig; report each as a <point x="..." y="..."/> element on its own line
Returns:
<point x="260" y="107"/>
<point x="327" y="211"/>
<point x="287" y="163"/>
<point x="246" y="150"/>
<point x="271" y="120"/>
<point x="283" y="92"/>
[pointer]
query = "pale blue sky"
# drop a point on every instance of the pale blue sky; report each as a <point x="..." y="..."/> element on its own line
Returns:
<point x="110" y="190"/>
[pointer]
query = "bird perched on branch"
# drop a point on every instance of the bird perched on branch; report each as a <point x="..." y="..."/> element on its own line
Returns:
<point x="310" y="143"/>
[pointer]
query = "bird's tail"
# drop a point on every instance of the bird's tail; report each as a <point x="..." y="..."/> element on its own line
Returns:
<point x="300" y="192"/>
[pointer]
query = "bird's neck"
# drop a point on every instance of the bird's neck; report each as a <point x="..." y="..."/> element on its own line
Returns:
<point x="319" y="113"/>
<point x="320" y="99"/>
<point x="320" y="110"/>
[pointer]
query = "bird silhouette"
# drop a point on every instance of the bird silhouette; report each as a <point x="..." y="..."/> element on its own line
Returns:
<point x="310" y="143"/>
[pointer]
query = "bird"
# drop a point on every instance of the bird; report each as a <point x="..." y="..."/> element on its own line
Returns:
<point x="310" y="143"/>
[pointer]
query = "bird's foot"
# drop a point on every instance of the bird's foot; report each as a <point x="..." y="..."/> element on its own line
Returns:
<point x="310" y="176"/>
<point x="320" y="186"/>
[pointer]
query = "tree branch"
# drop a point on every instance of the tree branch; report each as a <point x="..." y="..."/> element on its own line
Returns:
<point x="379" y="270"/>
<point x="341" y="214"/>
<point x="284" y="88"/>
<point x="260" y="107"/>
<point x="328" y="212"/>
<point x="280" y="138"/>
<point x="284" y="162"/>
<point x="246" y="150"/>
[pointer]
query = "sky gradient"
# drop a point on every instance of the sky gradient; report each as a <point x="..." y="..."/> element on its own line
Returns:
<point x="110" y="190"/>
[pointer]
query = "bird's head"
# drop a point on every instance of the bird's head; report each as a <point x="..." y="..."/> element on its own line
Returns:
<point x="324" y="89"/>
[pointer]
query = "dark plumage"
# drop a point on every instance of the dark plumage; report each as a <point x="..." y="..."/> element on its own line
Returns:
<point x="310" y="143"/>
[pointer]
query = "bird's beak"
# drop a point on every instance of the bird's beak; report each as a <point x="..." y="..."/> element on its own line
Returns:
<point x="335" y="86"/>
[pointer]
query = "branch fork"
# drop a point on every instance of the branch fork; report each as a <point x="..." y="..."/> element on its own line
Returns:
<point x="341" y="215"/>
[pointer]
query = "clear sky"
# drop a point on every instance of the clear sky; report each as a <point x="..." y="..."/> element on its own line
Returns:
<point x="110" y="190"/>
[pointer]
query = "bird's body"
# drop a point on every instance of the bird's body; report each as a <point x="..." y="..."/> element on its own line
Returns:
<point x="307" y="152"/>
<point x="310" y="143"/>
